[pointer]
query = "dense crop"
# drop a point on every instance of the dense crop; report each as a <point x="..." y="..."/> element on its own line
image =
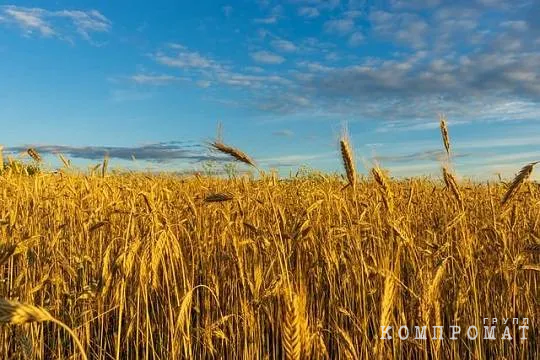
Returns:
<point x="147" y="267"/>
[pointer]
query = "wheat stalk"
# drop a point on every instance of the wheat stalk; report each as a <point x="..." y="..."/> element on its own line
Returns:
<point x="431" y="301"/>
<point x="65" y="161"/>
<point x="519" y="180"/>
<point x="234" y="152"/>
<point x="105" y="166"/>
<point x="12" y="312"/>
<point x="348" y="160"/>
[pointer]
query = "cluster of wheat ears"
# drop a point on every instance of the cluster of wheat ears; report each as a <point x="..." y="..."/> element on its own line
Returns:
<point x="139" y="266"/>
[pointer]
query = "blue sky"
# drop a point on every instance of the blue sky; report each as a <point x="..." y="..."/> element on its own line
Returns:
<point x="152" y="79"/>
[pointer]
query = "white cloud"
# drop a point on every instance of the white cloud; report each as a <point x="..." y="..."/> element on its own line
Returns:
<point x="266" y="57"/>
<point x="267" y="20"/>
<point x="86" y="21"/>
<point x="185" y="58"/>
<point x="154" y="79"/>
<point x="320" y="4"/>
<point x="340" y="26"/>
<point x="332" y="56"/>
<point x="272" y="18"/>
<point x="356" y="38"/>
<point x="297" y="159"/>
<point x="254" y="69"/>
<point x="206" y="71"/>
<point x="203" y="84"/>
<point x="414" y="4"/>
<point x="353" y="14"/>
<point x="406" y="28"/>
<point x="308" y="12"/>
<point x="315" y="66"/>
<point x="518" y="25"/>
<point x="48" y="23"/>
<point x="283" y="45"/>
<point x="30" y="19"/>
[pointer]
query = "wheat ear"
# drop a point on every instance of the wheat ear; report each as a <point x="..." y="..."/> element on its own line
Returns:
<point x="295" y="337"/>
<point x="16" y="313"/>
<point x="34" y="154"/>
<point x="451" y="184"/>
<point x="381" y="179"/>
<point x="218" y="197"/>
<point x="519" y="180"/>
<point x="234" y="152"/>
<point x="445" y="136"/>
<point x="348" y="160"/>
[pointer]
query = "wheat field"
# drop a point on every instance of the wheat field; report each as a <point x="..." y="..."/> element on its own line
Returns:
<point x="138" y="266"/>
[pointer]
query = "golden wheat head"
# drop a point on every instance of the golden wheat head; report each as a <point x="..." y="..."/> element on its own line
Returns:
<point x="348" y="160"/>
<point x="218" y="197"/>
<point x="519" y="180"/>
<point x="444" y="134"/>
<point x="15" y="313"/>
<point x="34" y="154"/>
<point x="451" y="184"/>
<point x="234" y="152"/>
<point x="295" y="335"/>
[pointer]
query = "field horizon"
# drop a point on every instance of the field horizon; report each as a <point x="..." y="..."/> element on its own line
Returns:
<point x="167" y="267"/>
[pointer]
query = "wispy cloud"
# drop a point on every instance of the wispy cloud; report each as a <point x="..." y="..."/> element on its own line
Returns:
<point x="155" y="79"/>
<point x="453" y="59"/>
<point x="266" y="57"/>
<point x="86" y="22"/>
<point x="266" y="20"/>
<point x="405" y="28"/>
<point x="308" y="12"/>
<point x="272" y="18"/>
<point x="297" y="159"/>
<point x="158" y="152"/>
<point x="205" y="71"/>
<point x="340" y="26"/>
<point x="283" y="133"/>
<point x="185" y="58"/>
<point x="283" y="45"/>
<point x="29" y="19"/>
<point x="49" y="23"/>
<point x="319" y="4"/>
<point x="204" y="84"/>
<point x="427" y="155"/>
<point x="356" y="39"/>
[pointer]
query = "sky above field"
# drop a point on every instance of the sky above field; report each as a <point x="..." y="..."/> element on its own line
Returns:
<point x="151" y="80"/>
